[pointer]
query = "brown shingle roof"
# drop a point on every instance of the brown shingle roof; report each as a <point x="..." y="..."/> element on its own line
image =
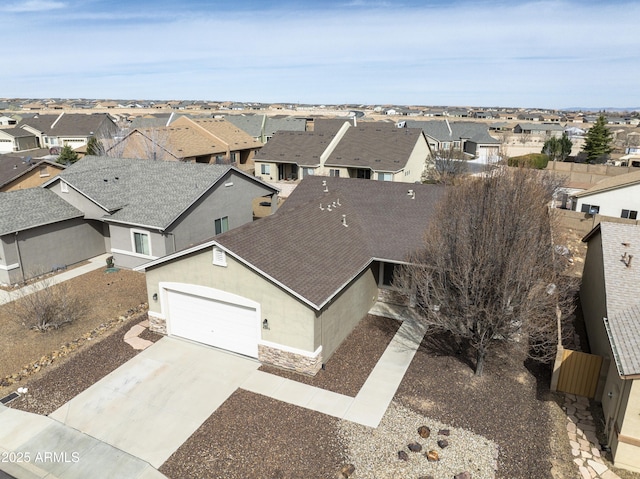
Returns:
<point x="381" y="148"/>
<point x="301" y="147"/>
<point x="223" y="130"/>
<point x="179" y="142"/>
<point x="313" y="254"/>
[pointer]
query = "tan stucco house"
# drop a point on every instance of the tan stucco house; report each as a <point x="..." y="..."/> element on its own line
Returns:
<point x="289" y="288"/>
<point x="17" y="173"/>
<point x="610" y="297"/>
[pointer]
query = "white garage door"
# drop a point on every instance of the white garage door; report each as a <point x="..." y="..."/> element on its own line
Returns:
<point x="218" y="323"/>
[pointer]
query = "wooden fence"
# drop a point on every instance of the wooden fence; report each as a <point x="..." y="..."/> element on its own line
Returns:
<point x="577" y="373"/>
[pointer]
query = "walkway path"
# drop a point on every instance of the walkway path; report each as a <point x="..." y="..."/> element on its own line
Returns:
<point x="93" y="264"/>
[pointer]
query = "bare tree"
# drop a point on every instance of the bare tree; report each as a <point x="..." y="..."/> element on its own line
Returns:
<point x="44" y="305"/>
<point x="447" y="167"/>
<point x="487" y="272"/>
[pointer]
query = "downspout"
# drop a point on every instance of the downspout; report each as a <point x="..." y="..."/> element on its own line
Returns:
<point x="19" y="257"/>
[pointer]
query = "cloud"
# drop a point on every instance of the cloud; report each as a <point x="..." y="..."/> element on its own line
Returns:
<point x="33" y="6"/>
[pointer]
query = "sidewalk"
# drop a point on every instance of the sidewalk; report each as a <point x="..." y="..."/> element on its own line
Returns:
<point x="94" y="263"/>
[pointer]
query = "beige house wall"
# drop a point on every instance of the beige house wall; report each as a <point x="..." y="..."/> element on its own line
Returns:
<point x="291" y="323"/>
<point x="338" y="319"/>
<point x="33" y="178"/>
<point x="625" y="442"/>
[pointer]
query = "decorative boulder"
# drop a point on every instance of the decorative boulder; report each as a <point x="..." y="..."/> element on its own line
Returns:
<point x="424" y="432"/>
<point x="463" y="475"/>
<point x="415" y="447"/>
<point x="443" y="443"/>
<point x="346" y="471"/>
<point x="432" y="456"/>
<point x="403" y="456"/>
<point x="444" y="432"/>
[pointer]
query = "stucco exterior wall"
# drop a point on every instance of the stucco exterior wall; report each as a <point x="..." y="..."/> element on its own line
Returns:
<point x="232" y="197"/>
<point x="338" y="319"/>
<point x="59" y="244"/>
<point x="593" y="298"/>
<point x="612" y="202"/>
<point x="626" y="446"/>
<point x="291" y="323"/>
<point x="88" y="207"/>
<point x="123" y="250"/>
<point x="33" y="178"/>
<point x="412" y="171"/>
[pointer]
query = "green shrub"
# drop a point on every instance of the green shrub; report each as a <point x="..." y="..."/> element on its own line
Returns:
<point x="532" y="160"/>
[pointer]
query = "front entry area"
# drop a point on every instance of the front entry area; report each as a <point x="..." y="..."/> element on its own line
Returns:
<point x="212" y="317"/>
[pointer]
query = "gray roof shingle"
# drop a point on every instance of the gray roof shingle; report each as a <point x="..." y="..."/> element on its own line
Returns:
<point x="142" y="192"/>
<point x="444" y="130"/>
<point x="32" y="207"/>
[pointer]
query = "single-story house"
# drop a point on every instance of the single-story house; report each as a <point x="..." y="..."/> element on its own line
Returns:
<point x="17" y="173"/>
<point x="610" y="297"/>
<point x="16" y="139"/>
<point x="263" y="127"/>
<point x="539" y="129"/>
<point x="616" y="196"/>
<point x="368" y="150"/>
<point x="149" y="209"/>
<point x="288" y="289"/>
<point x="73" y="129"/>
<point x="40" y="231"/>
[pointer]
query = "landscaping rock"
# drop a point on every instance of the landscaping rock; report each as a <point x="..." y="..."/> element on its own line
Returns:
<point x="463" y="475"/>
<point x="426" y="477"/>
<point x="346" y="471"/>
<point x="402" y="455"/>
<point x="443" y="443"/>
<point x="432" y="456"/>
<point x="424" y="432"/>
<point x="444" y="432"/>
<point x="415" y="447"/>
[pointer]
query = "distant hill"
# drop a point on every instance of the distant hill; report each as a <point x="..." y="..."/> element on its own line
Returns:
<point x="611" y="109"/>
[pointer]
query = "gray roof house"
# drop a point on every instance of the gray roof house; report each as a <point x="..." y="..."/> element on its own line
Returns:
<point x="16" y="139"/>
<point x="610" y="297"/>
<point x="263" y="127"/>
<point x="548" y="129"/>
<point x="366" y="150"/>
<point x="472" y="138"/>
<point x="39" y="231"/>
<point x="152" y="208"/>
<point x="73" y="129"/>
<point x="288" y="289"/>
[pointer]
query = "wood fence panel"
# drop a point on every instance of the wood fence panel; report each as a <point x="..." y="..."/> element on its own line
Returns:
<point x="579" y="373"/>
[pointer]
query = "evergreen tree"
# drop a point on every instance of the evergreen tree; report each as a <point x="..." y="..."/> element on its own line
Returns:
<point x="557" y="149"/>
<point x="67" y="156"/>
<point x="598" y="143"/>
<point x="94" y="146"/>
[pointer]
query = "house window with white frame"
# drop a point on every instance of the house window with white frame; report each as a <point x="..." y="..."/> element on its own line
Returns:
<point x="385" y="177"/>
<point x="222" y="225"/>
<point x="265" y="169"/>
<point x="334" y="173"/>
<point x="141" y="242"/>
<point x="64" y="187"/>
<point x="629" y="214"/>
<point x="307" y="172"/>
<point x="44" y="171"/>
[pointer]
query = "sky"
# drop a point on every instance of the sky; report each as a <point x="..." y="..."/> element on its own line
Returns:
<point x="531" y="54"/>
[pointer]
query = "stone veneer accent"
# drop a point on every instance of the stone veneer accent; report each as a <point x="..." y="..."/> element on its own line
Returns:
<point x="157" y="325"/>
<point x="288" y="360"/>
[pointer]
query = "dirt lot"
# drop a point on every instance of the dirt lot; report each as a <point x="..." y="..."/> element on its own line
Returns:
<point x="108" y="295"/>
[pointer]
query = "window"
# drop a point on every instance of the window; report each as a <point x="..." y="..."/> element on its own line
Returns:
<point x="233" y="156"/>
<point x="44" y="171"/>
<point x="222" y="225"/>
<point x="629" y="214"/>
<point x="265" y="169"/>
<point x="384" y="177"/>
<point x="387" y="273"/>
<point x="64" y="188"/>
<point x="307" y="172"/>
<point x="141" y="243"/>
<point x="590" y="209"/>
<point x="335" y="173"/>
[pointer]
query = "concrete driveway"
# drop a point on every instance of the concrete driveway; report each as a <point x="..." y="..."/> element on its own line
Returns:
<point x="149" y="406"/>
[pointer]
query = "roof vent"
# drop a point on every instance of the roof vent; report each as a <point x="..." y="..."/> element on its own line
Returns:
<point x="326" y="188"/>
<point x="412" y="194"/>
<point x="626" y="259"/>
<point x="321" y="207"/>
<point x="344" y="220"/>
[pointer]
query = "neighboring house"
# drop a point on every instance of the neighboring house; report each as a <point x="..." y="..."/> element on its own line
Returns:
<point x="17" y="173"/>
<point x="539" y="129"/>
<point x="616" y="196"/>
<point x="240" y="147"/>
<point x="39" y="232"/>
<point x="289" y="288"/>
<point x="610" y="296"/>
<point x="73" y="129"/>
<point x="7" y="121"/>
<point x="149" y="209"/>
<point x="471" y="138"/>
<point x="16" y="139"/>
<point x="370" y="150"/>
<point x="263" y="127"/>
